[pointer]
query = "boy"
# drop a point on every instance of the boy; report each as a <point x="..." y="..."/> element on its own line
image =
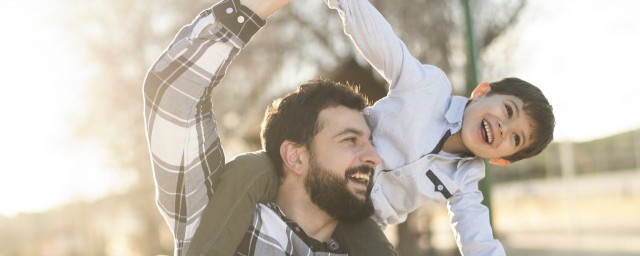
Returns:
<point x="432" y="143"/>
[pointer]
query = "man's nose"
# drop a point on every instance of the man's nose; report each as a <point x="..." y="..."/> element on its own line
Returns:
<point x="370" y="156"/>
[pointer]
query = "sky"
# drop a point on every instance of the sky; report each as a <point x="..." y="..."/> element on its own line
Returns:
<point x="41" y="100"/>
<point x="582" y="53"/>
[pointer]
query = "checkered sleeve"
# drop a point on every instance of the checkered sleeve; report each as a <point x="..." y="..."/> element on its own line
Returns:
<point x="186" y="155"/>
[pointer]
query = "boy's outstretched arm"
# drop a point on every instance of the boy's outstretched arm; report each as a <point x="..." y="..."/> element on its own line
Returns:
<point x="470" y="221"/>
<point x="181" y="129"/>
<point x="373" y="36"/>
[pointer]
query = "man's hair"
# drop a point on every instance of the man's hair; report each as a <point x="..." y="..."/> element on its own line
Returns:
<point x="537" y="108"/>
<point x="294" y="117"/>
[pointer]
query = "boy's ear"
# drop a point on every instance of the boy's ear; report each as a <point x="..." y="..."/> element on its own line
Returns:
<point x="480" y="90"/>
<point x="293" y="158"/>
<point x="499" y="161"/>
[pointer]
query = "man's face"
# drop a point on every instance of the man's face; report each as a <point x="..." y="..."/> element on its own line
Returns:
<point x="341" y="164"/>
<point x="495" y="126"/>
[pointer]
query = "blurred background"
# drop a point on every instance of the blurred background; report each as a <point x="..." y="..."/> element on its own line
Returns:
<point x="76" y="178"/>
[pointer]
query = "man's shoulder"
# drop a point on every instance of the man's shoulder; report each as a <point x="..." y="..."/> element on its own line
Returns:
<point x="259" y="155"/>
<point x="257" y="161"/>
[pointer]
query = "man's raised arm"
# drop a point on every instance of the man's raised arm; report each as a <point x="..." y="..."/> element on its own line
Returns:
<point x="186" y="155"/>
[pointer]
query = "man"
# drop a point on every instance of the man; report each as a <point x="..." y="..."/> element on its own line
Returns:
<point x="325" y="162"/>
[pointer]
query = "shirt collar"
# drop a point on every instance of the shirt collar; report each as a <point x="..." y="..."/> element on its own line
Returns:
<point x="455" y="113"/>
<point x="317" y="246"/>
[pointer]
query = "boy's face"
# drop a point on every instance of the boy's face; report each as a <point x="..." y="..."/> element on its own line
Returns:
<point x="495" y="126"/>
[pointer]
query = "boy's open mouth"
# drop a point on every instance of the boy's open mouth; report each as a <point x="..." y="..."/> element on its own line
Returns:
<point x="486" y="132"/>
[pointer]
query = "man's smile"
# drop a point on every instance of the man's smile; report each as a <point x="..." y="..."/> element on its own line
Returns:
<point x="361" y="178"/>
<point x="360" y="175"/>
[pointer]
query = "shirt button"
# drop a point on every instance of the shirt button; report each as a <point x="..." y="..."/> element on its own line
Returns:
<point x="333" y="245"/>
<point x="440" y="187"/>
<point x="229" y="10"/>
<point x="240" y="19"/>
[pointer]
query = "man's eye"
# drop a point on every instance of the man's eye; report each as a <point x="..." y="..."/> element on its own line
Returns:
<point x="509" y="110"/>
<point x="351" y="140"/>
<point x="517" y="139"/>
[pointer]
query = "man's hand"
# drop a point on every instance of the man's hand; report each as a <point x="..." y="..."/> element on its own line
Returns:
<point x="264" y="8"/>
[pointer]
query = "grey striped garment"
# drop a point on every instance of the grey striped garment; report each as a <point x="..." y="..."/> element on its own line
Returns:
<point x="186" y="155"/>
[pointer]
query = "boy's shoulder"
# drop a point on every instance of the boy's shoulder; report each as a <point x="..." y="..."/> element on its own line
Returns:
<point x="470" y="170"/>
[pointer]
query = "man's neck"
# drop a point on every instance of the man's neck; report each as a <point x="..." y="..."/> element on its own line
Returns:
<point x="297" y="206"/>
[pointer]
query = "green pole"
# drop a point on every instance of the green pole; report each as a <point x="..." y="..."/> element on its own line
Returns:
<point x="472" y="68"/>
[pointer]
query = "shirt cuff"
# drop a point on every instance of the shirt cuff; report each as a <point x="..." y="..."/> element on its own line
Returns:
<point x="237" y="18"/>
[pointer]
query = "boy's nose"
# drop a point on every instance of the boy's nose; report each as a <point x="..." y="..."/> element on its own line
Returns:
<point x="507" y="127"/>
<point x="504" y="128"/>
<point x="501" y="128"/>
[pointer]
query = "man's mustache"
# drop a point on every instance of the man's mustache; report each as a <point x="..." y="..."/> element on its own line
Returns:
<point x="360" y="169"/>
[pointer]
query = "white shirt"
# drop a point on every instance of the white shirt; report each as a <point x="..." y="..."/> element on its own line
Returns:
<point x="409" y="126"/>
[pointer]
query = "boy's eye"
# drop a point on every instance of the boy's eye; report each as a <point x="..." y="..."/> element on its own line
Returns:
<point x="517" y="139"/>
<point x="509" y="110"/>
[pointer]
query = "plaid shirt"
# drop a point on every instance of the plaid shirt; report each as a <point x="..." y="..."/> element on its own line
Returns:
<point x="181" y="128"/>
<point x="272" y="233"/>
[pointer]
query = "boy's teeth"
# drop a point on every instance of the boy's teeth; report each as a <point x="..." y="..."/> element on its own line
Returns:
<point x="487" y="132"/>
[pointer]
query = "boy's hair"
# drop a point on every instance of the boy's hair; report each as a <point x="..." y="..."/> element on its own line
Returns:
<point x="294" y="117"/>
<point x="537" y="108"/>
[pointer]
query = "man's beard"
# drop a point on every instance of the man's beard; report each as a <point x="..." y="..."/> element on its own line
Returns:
<point x="331" y="194"/>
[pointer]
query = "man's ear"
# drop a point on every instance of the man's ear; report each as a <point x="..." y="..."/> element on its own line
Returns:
<point x="499" y="161"/>
<point x="480" y="90"/>
<point x="292" y="157"/>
